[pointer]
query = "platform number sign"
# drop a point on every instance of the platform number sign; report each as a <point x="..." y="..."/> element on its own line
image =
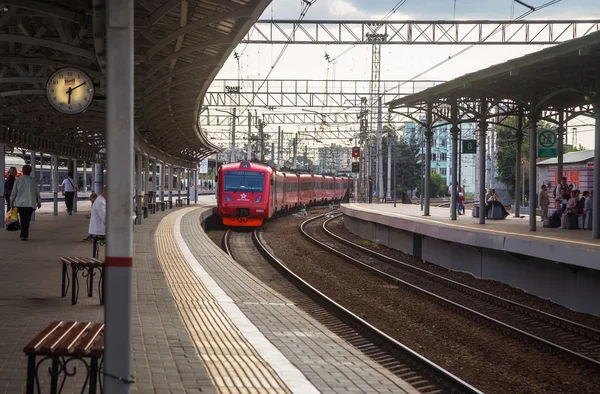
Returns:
<point x="547" y="143"/>
<point x="469" y="146"/>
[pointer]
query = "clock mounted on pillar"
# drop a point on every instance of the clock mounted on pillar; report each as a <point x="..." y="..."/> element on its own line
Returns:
<point x="70" y="90"/>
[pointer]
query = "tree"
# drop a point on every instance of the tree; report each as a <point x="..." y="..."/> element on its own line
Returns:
<point x="408" y="168"/>
<point x="437" y="185"/>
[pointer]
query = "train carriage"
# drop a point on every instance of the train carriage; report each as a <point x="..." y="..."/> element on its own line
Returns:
<point x="307" y="189"/>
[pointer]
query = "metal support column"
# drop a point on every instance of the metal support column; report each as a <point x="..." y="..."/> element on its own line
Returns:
<point x="455" y="181"/>
<point x="98" y="178"/>
<point x="519" y="156"/>
<point x="170" y="184"/>
<point x="249" y="151"/>
<point x="428" y="140"/>
<point x="120" y="153"/>
<point x="85" y="176"/>
<point x="54" y="171"/>
<point x="560" y="149"/>
<point x="279" y="148"/>
<point x="483" y="126"/>
<point x="179" y="184"/>
<point x="32" y="174"/>
<point x="75" y="174"/>
<point x="2" y="166"/>
<point x="295" y="151"/>
<point x="379" y="165"/>
<point x="138" y="189"/>
<point x="261" y="142"/>
<point x="533" y="137"/>
<point x="161" y="182"/>
<point x="388" y="193"/>
<point x="153" y="181"/>
<point x="146" y="178"/>
<point x="596" y="197"/>
<point x="234" y="119"/>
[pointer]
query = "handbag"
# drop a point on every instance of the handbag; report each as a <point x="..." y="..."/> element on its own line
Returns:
<point x="15" y="226"/>
<point x="11" y="216"/>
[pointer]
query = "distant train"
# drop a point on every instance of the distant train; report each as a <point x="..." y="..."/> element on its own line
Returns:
<point x="249" y="193"/>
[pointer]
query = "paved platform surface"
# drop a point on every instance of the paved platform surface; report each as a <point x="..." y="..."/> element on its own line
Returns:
<point x="502" y="233"/>
<point x="201" y="323"/>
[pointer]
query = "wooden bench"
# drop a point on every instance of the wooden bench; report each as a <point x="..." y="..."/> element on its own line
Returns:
<point x="87" y="266"/>
<point x="67" y="346"/>
<point x="179" y="201"/>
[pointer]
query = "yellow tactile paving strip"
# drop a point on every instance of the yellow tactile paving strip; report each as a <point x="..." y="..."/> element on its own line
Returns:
<point x="232" y="363"/>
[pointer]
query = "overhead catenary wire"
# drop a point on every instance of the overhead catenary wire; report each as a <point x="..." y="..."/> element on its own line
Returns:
<point x="495" y="31"/>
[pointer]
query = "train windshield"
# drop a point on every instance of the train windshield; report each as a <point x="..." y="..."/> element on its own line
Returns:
<point x="244" y="181"/>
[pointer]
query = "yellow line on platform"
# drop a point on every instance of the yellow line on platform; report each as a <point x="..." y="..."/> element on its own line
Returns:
<point x="476" y="229"/>
<point x="232" y="363"/>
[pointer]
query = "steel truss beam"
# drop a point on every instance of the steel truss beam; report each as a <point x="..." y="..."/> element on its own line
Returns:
<point x="441" y="32"/>
<point x="306" y="93"/>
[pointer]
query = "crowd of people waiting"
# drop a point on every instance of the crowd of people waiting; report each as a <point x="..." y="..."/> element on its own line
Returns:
<point x="570" y="203"/>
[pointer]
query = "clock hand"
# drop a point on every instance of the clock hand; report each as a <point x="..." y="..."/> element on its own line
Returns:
<point x="69" y="93"/>
<point x="81" y="84"/>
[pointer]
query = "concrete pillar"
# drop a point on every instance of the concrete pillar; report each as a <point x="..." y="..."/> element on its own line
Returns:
<point x="170" y="182"/>
<point x="519" y="155"/>
<point x="153" y="164"/>
<point x="428" y="140"/>
<point x="54" y="170"/>
<point x="483" y="126"/>
<point x="560" y="149"/>
<point x="138" y="188"/>
<point x="85" y="176"/>
<point x="98" y="178"/>
<point x="596" y="197"/>
<point x="533" y="137"/>
<point x="454" y="132"/>
<point x="120" y="150"/>
<point x="93" y="165"/>
<point x="179" y="183"/>
<point x="2" y="178"/>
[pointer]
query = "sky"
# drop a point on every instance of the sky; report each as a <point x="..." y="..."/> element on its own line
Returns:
<point x="397" y="61"/>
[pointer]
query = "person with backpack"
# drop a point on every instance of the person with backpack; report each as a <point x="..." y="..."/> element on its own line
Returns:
<point x="69" y="189"/>
<point x="25" y="197"/>
<point x="9" y="183"/>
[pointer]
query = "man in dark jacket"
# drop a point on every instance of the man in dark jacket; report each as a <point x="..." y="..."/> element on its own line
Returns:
<point x="9" y="183"/>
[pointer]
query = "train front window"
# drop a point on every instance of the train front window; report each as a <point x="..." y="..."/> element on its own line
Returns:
<point x="244" y="181"/>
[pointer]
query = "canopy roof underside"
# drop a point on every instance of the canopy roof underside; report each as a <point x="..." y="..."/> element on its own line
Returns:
<point x="180" y="45"/>
<point x="563" y="76"/>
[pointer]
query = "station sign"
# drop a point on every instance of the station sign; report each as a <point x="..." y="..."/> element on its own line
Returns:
<point x="203" y="167"/>
<point x="547" y="142"/>
<point x="469" y="146"/>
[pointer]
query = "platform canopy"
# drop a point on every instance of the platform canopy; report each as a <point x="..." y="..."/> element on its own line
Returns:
<point x="180" y="45"/>
<point x="563" y="77"/>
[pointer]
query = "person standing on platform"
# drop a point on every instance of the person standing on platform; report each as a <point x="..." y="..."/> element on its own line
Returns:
<point x="25" y="197"/>
<point x="589" y="203"/>
<point x="69" y="188"/>
<point x="151" y="190"/>
<point x="461" y="203"/>
<point x="544" y="202"/>
<point x="9" y="183"/>
<point x="98" y="216"/>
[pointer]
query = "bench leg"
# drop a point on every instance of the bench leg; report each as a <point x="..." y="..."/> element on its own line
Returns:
<point x="101" y="285"/>
<point x="54" y="376"/>
<point x="30" y="374"/>
<point x="93" y="375"/>
<point x="74" y="286"/>
<point x="91" y="282"/>
<point x="63" y="289"/>
<point x="95" y="248"/>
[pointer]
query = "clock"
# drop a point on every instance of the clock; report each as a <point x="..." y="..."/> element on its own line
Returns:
<point x="70" y="90"/>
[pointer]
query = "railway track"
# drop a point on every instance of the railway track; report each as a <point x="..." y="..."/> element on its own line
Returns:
<point x="410" y="366"/>
<point x="562" y="337"/>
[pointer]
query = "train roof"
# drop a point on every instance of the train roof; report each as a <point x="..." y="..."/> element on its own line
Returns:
<point x="14" y="161"/>
<point x="246" y="165"/>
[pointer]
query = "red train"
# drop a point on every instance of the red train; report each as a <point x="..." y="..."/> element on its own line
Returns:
<point x="249" y="193"/>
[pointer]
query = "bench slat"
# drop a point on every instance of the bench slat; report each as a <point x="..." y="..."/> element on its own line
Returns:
<point x="82" y="347"/>
<point x="69" y="341"/>
<point x="98" y="348"/>
<point x="54" y="339"/>
<point x="41" y="337"/>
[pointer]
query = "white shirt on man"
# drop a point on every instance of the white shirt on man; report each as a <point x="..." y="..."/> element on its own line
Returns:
<point x="98" y="217"/>
<point x="68" y="185"/>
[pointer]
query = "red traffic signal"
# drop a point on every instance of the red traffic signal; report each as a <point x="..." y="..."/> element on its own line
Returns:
<point x="356" y="151"/>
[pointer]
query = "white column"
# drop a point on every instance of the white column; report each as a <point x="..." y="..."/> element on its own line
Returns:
<point x="120" y="153"/>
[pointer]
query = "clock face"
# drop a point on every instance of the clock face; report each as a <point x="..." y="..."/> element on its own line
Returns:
<point x="70" y="90"/>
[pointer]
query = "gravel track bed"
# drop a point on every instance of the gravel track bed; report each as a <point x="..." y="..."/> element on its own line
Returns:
<point x="562" y="337"/>
<point x="480" y="355"/>
<point x="490" y="286"/>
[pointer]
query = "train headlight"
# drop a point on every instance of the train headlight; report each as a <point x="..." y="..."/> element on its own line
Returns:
<point x="258" y="199"/>
<point x="227" y="198"/>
